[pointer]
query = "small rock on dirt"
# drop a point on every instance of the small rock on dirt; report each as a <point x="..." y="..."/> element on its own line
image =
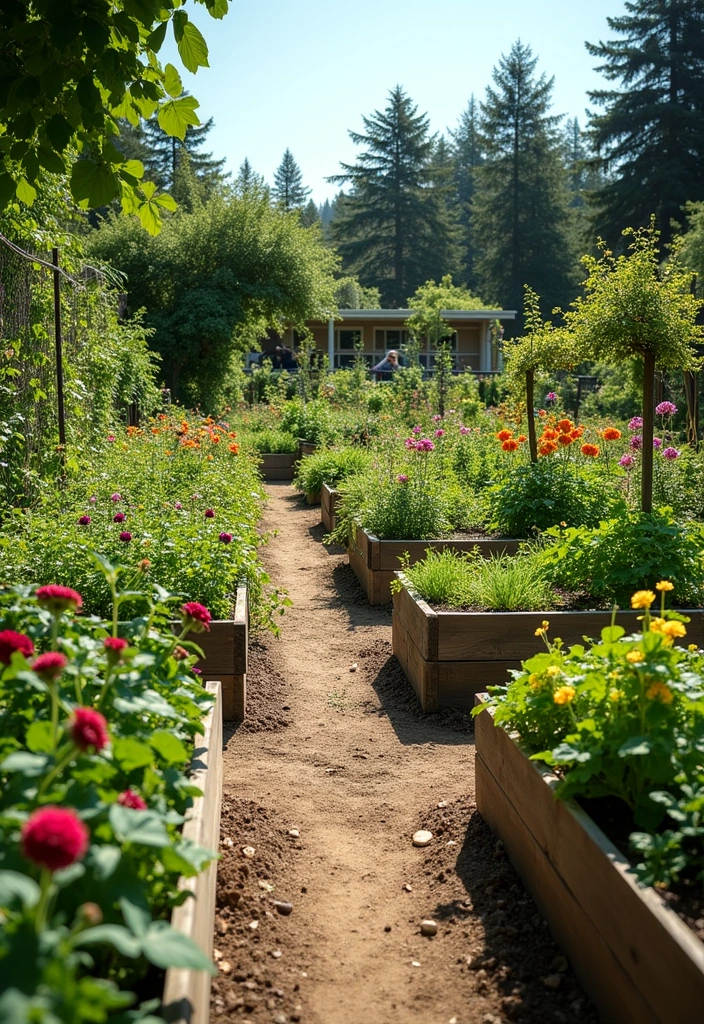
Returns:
<point x="283" y="908"/>
<point x="428" y="927"/>
<point x="248" y="851"/>
<point x="552" y="981"/>
<point x="422" y="837"/>
<point x="294" y="832"/>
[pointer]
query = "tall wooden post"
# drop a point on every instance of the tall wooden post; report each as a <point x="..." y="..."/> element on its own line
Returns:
<point x="59" y="355"/>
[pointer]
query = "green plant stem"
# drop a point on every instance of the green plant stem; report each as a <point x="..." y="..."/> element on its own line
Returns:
<point x="46" y="885"/>
<point x="58" y="767"/>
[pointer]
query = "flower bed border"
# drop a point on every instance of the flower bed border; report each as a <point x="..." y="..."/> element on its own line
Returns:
<point x="225" y="648"/>
<point x="448" y="657"/>
<point x="376" y="561"/>
<point x="632" y="953"/>
<point x="186" y="998"/>
<point x="329" y="500"/>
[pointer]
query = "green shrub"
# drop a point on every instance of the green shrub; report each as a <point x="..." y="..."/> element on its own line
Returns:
<point x="329" y="467"/>
<point x="309" y="421"/>
<point x="272" y="442"/>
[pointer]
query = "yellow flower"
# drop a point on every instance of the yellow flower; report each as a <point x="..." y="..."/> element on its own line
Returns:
<point x="664" y="585"/>
<point x="635" y="657"/>
<point x="553" y="671"/>
<point x="692" y="647"/>
<point x="534" y="681"/>
<point x="564" y="694"/>
<point x="642" y="599"/>
<point x="658" y="691"/>
<point x="615" y="695"/>
<point x="545" y="624"/>
<point x="539" y="631"/>
<point x="542" y="628"/>
<point x="673" y="629"/>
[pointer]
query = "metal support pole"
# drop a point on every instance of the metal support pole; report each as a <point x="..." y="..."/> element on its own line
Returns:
<point x="59" y="355"/>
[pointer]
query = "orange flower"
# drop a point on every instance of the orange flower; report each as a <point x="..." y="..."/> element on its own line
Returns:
<point x="510" y="445"/>
<point x="547" y="448"/>
<point x="188" y="443"/>
<point x="162" y="416"/>
<point x="232" y="434"/>
<point x="504" y="435"/>
<point x="591" y="450"/>
<point x="576" y="433"/>
<point x="550" y="435"/>
<point x="611" y="434"/>
<point x="521" y="438"/>
<point x="215" y="439"/>
<point x="209" y="458"/>
<point x="234" y="448"/>
<point x="542" y="413"/>
<point x="565" y="426"/>
<point x="565" y="440"/>
<point x="155" y="430"/>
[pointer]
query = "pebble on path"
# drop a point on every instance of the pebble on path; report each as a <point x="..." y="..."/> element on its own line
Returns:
<point x="422" y="838"/>
<point x="428" y="927"/>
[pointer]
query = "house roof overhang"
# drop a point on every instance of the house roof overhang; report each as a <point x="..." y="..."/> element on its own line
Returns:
<point x="381" y="315"/>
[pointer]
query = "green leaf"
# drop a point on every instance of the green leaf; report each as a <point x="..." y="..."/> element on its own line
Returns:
<point x="186" y="858"/>
<point x="131" y="753"/>
<point x="143" y="827"/>
<point x="7" y="188"/>
<point x="156" y="38"/>
<point x="216" y="8"/>
<point x="149" y="217"/>
<point x="635" y="746"/>
<point x="134" y="167"/>
<point x="113" y="935"/>
<point x="610" y="634"/>
<point x="39" y="739"/>
<point x="192" y="48"/>
<point x="166" y="201"/>
<point x="15" y="886"/>
<point x="94" y="184"/>
<point x="50" y="160"/>
<point x="169" y="746"/>
<point x="105" y="860"/>
<point x="23" y="761"/>
<point x="172" y="81"/>
<point x="59" y="132"/>
<point x="165" y="947"/>
<point x="136" y="913"/>
<point x="176" y="115"/>
<point x="25" y="192"/>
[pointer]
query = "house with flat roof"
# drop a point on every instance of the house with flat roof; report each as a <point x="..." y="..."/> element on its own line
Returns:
<point x="474" y="340"/>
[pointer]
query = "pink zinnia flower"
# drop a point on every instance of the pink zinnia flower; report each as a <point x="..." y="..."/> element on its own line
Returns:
<point x="635" y="424"/>
<point x="196" y="617"/>
<point x="209" y="514"/>
<point x="402" y="478"/>
<point x="626" y="461"/>
<point x="465" y="430"/>
<point x="436" y="418"/>
<point x="92" y="500"/>
<point x="410" y="443"/>
<point x="197" y="671"/>
<point x="226" y="538"/>
<point x="50" y="665"/>
<point x="116" y="497"/>
<point x="132" y="799"/>
<point x="119" y="517"/>
<point x="111" y="438"/>
<point x="54" y="837"/>
<point x="666" y="409"/>
<point x="84" y="521"/>
<point x="10" y="641"/>
<point x="551" y="397"/>
<point x="439" y="433"/>
<point x="57" y="599"/>
<point x="125" y="536"/>
<point x="636" y="443"/>
<point x="417" y="430"/>
<point x="671" y="454"/>
<point x="88" y="728"/>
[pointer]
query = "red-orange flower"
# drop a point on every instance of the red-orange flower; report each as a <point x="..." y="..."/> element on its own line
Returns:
<point x="234" y="448"/>
<point x="521" y="438"/>
<point x="611" y="434"/>
<point x="565" y="426"/>
<point x="542" y="413"/>
<point x="576" y="433"/>
<point x="504" y="435"/>
<point x="550" y="435"/>
<point x="547" y="448"/>
<point x="565" y="440"/>
<point x="215" y="439"/>
<point x="591" y="450"/>
<point x="510" y="445"/>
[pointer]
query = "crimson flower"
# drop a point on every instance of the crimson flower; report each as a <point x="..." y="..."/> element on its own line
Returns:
<point x="54" y="837"/>
<point x="226" y="538"/>
<point x="209" y="514"/>
<point x="88" y="728"/>
<point x="84" y="521"/>
<point x="114" y="646"/>
<point x="10" y="641"/>
<point x="50" y="665"/>
<point x="196" y="617"/>
<point x="125" y="536"/>
<point x="116" y="497"/>
<point x="132" y="799"/>
<point x="119" y="517"/>
<point x="57" y="599"/>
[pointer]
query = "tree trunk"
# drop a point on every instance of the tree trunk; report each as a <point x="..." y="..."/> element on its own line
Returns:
<point x="532" y="440"/>
<point x="646" y="485"/>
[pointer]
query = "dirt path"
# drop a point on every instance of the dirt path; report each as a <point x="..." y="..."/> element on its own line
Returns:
<point x="336" y="750"/>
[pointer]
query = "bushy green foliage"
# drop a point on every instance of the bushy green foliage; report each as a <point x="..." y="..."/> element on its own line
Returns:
<point x="272" y="442"/>
<point x="629" y="553"/>
<point x="389" y="509"/>
<point x="330" y="467"/>
<point x="309" y="421"/>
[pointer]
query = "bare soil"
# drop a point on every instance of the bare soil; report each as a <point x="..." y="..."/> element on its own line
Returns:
<point x="325" y="784"/>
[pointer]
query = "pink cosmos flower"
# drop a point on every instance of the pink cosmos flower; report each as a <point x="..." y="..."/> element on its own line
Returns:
<point x="111" y="438"/>
<point x="436" y="418"/>
<point x="92" y="500"/>
<point x="88" y="728"/>
<point x="635" y="424"/>
<point x="54" y="837"/>
<point x="57" y="599"/>
<point x="551" y="397"/>
<point x="666" y="409"/>
<point x="10" y="641"/>
<point x="50" y="665"/>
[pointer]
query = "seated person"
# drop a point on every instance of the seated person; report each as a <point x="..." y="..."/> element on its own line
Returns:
<point x="287" y="359"/>
<point x="385" y="369"/>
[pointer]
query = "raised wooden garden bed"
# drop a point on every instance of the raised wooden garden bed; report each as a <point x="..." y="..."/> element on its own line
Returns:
<point x="329" y="500"/>
<point x="448" y="657"/>
<point x="186" y="998"/>
<point x="306" y="448"/>
<point x="375" y="561"/>
<point x="634" y="956"/>
<point x="278" y="467"/>
<point x="225" y="649"/>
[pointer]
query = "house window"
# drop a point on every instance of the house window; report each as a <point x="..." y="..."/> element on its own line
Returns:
<point x="348" y="342"/>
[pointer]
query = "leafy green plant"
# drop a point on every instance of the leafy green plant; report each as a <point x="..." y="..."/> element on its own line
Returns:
<point x="329" y="467"/>
<point x="309" y="421"/>
<point x="272" y="442"/>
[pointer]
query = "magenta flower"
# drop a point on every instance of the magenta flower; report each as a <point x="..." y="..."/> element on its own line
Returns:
<point x="119" y="517"/>
<point x="439" y="433"/>
<point x="417" y="430"/>
<point x="196" y="616"/>
<point x="50" y="665"/>
<point x="111" y="438"/>
<point x="114" y="646"/>
<point x="402" y="478"/>
<point x="671" y="454"/>
<point x="425" y="445"/>
<point x="436" y="418"/>
<point x="130" y="798"/>
<point x="88" y="728"/>
<point x="666" y="409"/>
<point x="626" y="461"/>
<point x="92" y="500"/>
<point x="209" y="514"/>
<point x="465" y="430"/>
<point x="636" y="443"/>
<point x="58" y="599"/>
<point x="54" y="837"/>
<point x="657" y="443"/>
<point x="551" y="397"/>
<point x="197" y="671"/>
<point x="84" y="521"/>
<point x="226" y="538"/>
<point x="116" y="497"/>
<point x="125" y="536"/>
<point x="410" y="443"/>
<point x="11" y="641"/>
<point x="635" y="424"/>
<point x="178" y="506"/>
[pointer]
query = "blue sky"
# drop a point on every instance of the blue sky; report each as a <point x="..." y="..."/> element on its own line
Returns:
<point x="300" y="74"/>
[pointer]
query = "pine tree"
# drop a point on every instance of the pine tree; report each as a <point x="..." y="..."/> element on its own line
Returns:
<point x="309" y="214"/>
<point x="650" y="135"/>
<point x="389" y="225"/>
<point x="441" y="253"/>
<point x="466" y="142"/>
<point x="520" y="214"/>
<point x="289" y="191"/>
<point x="160" y="153"/>
<point x="248" y="182"/>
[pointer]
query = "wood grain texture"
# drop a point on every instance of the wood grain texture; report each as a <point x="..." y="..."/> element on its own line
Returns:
<point x="391" y="550"/>
<point x="278" y="467"/>
<point x="186" y="998"/>
<point x="420" y="673"/>
<point x="591" y="901"/>
<point x="419" y="619"/>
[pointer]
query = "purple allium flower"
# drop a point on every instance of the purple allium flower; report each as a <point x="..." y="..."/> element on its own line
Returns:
<point x="657" y="443"/>
<point x="410" y="443"/>
<point x="666" y="409"/>
<point x="125" y="537"/>
<point x="551" y="397"/>
<point x="417" y="430"/>
<point x="84" y="521"/>
<point x="635" y="424"/>
<point x="197" y="671"/>
<point x="119" y="517"/>
<point x="626" y="461"/>
<point x="425" y="445"/>
<point x="178" y="506"/>
<point x="226" y="538"/>
<point x="671" y="454"/>
<point x="439" y="433"/>
<point x="636" y="443"/>
<point x="209" y="514"/>
<point x="402" y="478"/>
<point x="116" y="497"/>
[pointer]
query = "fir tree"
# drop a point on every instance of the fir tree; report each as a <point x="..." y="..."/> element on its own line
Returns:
<point x="160" y="152"/>
<point x="650" y="134"/>
<point x="467" y="149"/>
<point x="309" y="214"/>
<point x="387" y="225"/>
<point x="248" y="182"/>
<point x="289" y="191"/>
<point x="520" y="214"/>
